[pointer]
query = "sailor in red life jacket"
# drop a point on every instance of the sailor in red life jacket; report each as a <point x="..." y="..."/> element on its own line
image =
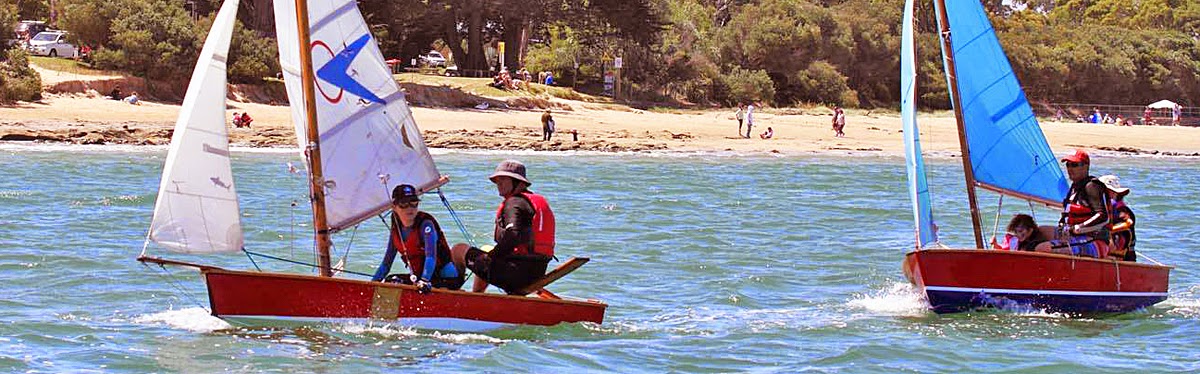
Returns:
<point x="419" y="240"/>
<point x="1084" y="227"/>
<point x="1124" y="238"/>
<point x="524" y="234"/>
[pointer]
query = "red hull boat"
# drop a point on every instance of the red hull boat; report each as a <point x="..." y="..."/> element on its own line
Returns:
<point x="956" y="280"/>
<point x="254" y="298"/>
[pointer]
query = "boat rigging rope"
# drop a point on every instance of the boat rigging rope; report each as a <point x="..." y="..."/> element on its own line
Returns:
<point x="457" y="220"/>
<point x="309" y="264"/>
<point x="251" y="259"/>
<point x="996" y="226"/>
<point x="175" y="284"/>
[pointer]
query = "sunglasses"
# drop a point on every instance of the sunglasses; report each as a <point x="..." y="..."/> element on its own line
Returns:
<point x="1075" y="164"/>
<point x="411" y="204"/>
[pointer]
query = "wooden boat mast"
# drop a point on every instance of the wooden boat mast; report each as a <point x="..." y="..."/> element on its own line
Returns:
<point x="952" y="76"/>
<point x="313" y="150"/>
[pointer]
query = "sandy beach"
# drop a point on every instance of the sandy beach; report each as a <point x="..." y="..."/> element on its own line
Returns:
<point x="90" y="119"/>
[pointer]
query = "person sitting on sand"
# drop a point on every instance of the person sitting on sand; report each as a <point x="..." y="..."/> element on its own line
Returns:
<point x="1023" y="235"/>
<point x="133" y="99"/>
<point x="767" y="134"/>
<point x="244" y="120"/>
<point x="115" y="94"/>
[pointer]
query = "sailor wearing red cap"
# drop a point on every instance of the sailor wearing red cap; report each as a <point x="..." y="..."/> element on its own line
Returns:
<point x="1084" y="226"/>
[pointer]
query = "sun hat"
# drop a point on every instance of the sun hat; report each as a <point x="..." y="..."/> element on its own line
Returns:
<point x="1114" y="184"/>
<point x="510" y="168"/>
<point x="404" y="193"/>
<point x="1079" y="156"/>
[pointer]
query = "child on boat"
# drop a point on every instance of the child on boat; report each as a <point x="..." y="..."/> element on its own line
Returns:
<point x="1023" y="235"/>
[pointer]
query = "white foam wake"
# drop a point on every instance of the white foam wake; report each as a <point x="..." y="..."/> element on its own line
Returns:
<point x="897" y="298"/>
<point x="192" y="319"/>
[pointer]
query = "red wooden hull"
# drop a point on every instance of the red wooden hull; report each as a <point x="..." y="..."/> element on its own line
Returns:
<point x="962" y="279"/>
<point x="254" y="298"/>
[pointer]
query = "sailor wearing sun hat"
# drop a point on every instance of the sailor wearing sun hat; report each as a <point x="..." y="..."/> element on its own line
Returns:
<point x="1083" y="228"/>
<point x="524" y="234"/>
<point x="1124" y="238"/>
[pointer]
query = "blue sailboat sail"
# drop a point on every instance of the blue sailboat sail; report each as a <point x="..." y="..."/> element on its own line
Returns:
<point x="1009" y="152"/>
<point x="918" y="187"/>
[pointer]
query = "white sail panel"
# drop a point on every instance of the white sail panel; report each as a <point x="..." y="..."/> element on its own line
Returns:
<point x="918" y="186"/>
<point x="197" y="207"/>
<point x="365" y="125"/>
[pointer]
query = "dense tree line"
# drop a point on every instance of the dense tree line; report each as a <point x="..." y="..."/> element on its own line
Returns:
<point x="783" y="52"/>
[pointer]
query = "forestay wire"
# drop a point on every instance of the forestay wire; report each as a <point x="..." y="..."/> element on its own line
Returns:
<point x="457" y="220"/>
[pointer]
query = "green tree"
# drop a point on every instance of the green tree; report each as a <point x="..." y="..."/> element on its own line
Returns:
<point x="17" y="80"/>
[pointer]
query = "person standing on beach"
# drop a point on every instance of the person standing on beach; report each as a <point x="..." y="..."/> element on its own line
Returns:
<point x="741" y="116"/>
<point x="547" y="125"/>
<point x="749" y="120"/>
<point x="1176" y="114"/>
<point x="839" y="121"/>
<point x="524" y="234"/>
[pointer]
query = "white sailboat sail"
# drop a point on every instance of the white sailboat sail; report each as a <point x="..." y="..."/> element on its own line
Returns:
<point x="365" y="125"/>
<point x="197" y="207"/>
<point x="918" y="186"/>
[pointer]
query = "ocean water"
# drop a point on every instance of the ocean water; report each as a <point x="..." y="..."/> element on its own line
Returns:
<point x="709" y="263"/>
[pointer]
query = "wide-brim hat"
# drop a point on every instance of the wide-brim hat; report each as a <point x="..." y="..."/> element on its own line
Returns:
<point x="510" y="168"/>
<point x="1113" y="183"/>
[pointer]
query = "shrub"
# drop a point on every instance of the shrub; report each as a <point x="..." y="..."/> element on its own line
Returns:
<point x="108" y="59"/>
<point x="821" y="82"/>
<point x="748" y="86"/>
<point x="17" y="80"/>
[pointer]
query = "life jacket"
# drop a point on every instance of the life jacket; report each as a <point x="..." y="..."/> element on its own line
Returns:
<point x="1076" y="210"/>
<point x="412" y="248"/>
<point x="1122" y="241"/>
<point x="542" y="239"/>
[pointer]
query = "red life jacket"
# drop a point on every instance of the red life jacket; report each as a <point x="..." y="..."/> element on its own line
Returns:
<point x="412" y="248"/>
<point x="542" y="239"/>
<point x="1077" y="211"/>
<point x="1122" y="241"/>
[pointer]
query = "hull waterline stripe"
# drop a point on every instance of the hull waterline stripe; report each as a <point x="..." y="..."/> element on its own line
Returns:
<point x="1043" y="292"/>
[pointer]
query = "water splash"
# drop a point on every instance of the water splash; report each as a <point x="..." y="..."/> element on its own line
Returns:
<point x="191" y="319"/>
<point x="393" y="331"/>
<point x="896" y="298"/>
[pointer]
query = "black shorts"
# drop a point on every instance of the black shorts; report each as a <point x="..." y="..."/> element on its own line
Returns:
<point x="511" y="273"/>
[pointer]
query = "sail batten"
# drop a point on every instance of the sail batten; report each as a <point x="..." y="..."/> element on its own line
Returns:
<point x="1009" y="152"/>
<point x="197" y="208"/>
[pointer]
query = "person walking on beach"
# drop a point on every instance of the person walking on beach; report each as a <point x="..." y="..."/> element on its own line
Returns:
<point x="547" y="125"/>
<point x="741" y="116"/>
<point x="1176" y="114"/>
<point x="524" y="234"/>
<point x="749" y="120"/>
<point x="839" y="122"/>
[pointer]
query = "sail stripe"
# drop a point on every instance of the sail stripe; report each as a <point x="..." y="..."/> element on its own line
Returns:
<point x="333" y="16"/>
<point x="359" y="115"/>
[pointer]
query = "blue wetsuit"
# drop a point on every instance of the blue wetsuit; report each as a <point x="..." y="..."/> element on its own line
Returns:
<point x="430" y="238"/>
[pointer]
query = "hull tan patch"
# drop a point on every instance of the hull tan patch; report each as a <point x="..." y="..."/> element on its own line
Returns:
<point x="386" y="303"/>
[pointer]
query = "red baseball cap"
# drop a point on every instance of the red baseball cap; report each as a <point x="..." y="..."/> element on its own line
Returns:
<point x="1079" y="156"/>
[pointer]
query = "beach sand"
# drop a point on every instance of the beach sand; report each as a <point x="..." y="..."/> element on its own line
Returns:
<point x="82" y="119"/>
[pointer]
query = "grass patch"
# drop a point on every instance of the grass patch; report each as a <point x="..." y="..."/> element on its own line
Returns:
<point x="68" y="66"/>
<point x="483" y="87"/>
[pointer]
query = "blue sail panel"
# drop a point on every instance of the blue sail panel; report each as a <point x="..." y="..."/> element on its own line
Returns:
<point x="918" y="187"/>
<point x="1008" y="149"/>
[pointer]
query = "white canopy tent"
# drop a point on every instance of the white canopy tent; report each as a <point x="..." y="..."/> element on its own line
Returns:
<point x="1162" y="104"/>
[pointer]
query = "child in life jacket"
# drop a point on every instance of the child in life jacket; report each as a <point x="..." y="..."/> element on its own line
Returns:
<point x="1122" y="234"/>
<point x="1023" y="235"/>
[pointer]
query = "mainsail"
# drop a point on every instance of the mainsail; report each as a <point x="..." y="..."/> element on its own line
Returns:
<point x="918" y="187"/>
<point x="197" y="207"/>
<point x="1009" y="153"/>
<point x="366" y="129"/>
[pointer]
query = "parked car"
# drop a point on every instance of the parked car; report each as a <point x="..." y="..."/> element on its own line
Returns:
<point x="451" y="71"/>
<point x="51" y="43"/>
<point x="433" y="59"/>
<point x="27" y="29"/>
